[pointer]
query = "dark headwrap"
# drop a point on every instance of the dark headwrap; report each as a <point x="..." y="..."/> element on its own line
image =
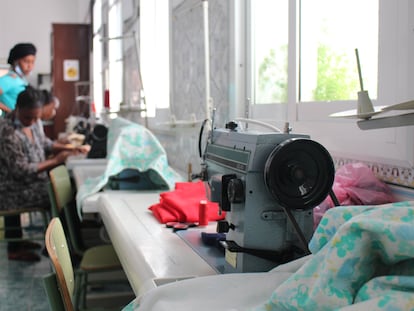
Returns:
<point x="29" y="98"/>
<point x="21" y="50"/>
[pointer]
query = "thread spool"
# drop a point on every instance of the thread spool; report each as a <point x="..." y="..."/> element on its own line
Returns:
<point x="202" y="213"/>
<point x="107" y="104"/>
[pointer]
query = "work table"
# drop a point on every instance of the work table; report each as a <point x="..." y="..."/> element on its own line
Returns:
<point x="151" y="254"/>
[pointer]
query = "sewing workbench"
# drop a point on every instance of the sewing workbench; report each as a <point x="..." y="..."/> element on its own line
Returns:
<point x="151" y="254"/>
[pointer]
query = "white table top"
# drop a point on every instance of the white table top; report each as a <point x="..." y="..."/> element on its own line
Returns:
<point x="150" y="253"/>
<point x="81" y="160"/>
<point x="82" y="169"/>
<point x="82" y="172"/>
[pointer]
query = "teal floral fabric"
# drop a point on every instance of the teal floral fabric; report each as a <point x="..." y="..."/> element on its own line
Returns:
<point x="363" y="260"/>
<point x="130" y="146"/>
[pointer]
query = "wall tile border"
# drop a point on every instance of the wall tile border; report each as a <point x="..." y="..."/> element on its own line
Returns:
<point x="401" y="176"/>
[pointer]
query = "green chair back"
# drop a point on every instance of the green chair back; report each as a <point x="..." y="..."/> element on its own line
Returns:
<point x="64" y="204"/>
<point x="54" y="211"/>
<point x="58" y="251"/>
<point x="62" y="186"/>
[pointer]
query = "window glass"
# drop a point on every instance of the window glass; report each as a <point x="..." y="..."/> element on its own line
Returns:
<point x="270" y="55"/>
<point x="154" y="48"/>
<point x="97" y="15"/>
<point x="330" y="33"/>
<point x="115" y="56"/>
<point x="97" y="56"/>
<point x="97" y="74"/>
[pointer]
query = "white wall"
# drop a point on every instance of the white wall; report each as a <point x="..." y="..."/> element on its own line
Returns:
<point x="31" y="20"/>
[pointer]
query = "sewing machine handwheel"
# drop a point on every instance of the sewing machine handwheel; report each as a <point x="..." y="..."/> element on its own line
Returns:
<point x="299" y="173"/>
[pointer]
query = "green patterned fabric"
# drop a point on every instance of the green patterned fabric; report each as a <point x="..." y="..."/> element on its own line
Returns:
<point x="130" y="146"/>
<point x="363" y="260"/>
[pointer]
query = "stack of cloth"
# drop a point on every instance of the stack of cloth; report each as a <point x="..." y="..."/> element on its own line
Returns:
<point x="182" y="204"/>
<point x="131" y="146"/>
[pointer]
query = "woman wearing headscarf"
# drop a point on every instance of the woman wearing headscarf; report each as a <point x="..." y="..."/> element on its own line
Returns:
<point x="21" y="59"/>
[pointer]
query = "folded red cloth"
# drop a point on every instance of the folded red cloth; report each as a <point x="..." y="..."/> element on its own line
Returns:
<point x="182" y="204"/>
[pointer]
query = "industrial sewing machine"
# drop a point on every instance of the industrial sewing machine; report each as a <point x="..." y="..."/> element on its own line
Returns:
<point x="268" y="184"/>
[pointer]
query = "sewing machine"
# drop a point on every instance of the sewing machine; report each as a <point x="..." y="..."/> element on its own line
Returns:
<point x="268" y="184"/>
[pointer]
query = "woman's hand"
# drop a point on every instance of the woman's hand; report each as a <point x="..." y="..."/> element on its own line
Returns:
<point x="58" y="159"/>
<point x="83" y="149"/>
<point x="58" y="147"/>
<point x="61" y="156"/>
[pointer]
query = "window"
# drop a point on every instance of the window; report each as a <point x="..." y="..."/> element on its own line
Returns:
<point x="115" y="56"/>
<point x="270" y="55"/>
<point x="330" y="32"/>
<point x="113" y="45"/>
<point x="154" y="48"/>
<point x="97" y="56"/>
<point x="107" y="54"/>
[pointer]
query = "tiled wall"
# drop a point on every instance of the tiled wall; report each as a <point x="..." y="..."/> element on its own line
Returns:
<point x="401" y="176"/>
<point x="182" y="148"/>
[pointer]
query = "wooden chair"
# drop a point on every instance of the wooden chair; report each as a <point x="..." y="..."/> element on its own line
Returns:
<point x="72" y="283"/>
<point x="59" y="255"/>
<point x="95" y="259"/>
<point x="63" y="205"/>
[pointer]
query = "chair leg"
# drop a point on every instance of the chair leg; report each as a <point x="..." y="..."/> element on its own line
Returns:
<point x="31" y="223"/>
<point x="85" y="288"/>
<point x="12" y="225"/>
<point x="52" y="291"/>
<point x="80" y="290"/>
<point x="46" y="218"/>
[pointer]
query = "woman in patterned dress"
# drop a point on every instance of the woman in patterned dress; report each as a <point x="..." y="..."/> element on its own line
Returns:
<point x="25" y="158"/>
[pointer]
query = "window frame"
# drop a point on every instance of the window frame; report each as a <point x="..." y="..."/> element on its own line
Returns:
<point x="342" y="137"/>
<point x="296" y="110"/>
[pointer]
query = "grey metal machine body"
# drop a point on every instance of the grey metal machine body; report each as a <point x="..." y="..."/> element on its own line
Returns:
<point x="239" y="171"/>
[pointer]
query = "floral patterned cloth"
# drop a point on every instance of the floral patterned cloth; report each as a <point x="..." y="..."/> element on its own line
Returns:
<point x="363" y="259"/>
<point x="130" y="146"/>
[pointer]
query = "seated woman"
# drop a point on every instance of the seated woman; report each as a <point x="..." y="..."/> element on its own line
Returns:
<point x="50" y="104"/>
<point x="24" y="163"/>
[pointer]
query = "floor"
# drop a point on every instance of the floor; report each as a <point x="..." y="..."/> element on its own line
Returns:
<point x="21" y="285"/>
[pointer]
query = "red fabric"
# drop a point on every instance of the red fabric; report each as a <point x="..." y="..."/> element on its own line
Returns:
<point x="182" y="204"/>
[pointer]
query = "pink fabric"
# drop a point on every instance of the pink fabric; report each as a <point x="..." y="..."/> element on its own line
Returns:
<point x="182" y="204"/>
<point x="355" y="184"/>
